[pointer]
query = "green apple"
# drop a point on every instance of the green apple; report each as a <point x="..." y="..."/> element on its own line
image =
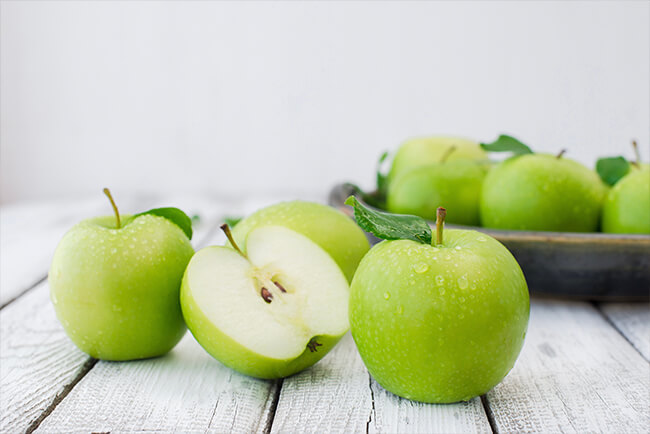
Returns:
<point x="627" y="207"/>
<point x="456" y="185"/>
<point x="542" y="192"/>
<point x="329" y="228"/>
<point x="115" y="283"/>
<point x="424" y="151"/>
<point x="268" y="313"/>
<point x="439" y="320"/>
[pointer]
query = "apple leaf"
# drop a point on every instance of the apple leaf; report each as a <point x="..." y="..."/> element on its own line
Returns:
<point x="175" y="215"/>
<point x="507" y="144"/>
<point x="232" y="221"/>
<point x="389" y="226"/>
<point x="612" y="169"/>
<point x="382" y="178"/>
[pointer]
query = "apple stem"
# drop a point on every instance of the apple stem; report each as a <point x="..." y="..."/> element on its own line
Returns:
<point x="226" y="230"/>
<point x="441" y="213"/>
<point x="107" y="192"/>
<point x="637" y="154"/>
<point x="562" y="152"/>
<point x="447" y="153"/>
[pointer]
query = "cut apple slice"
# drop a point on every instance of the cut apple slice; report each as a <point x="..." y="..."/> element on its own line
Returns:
<point x="286" y="300"/>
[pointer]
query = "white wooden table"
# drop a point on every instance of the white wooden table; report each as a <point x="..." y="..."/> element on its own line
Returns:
<point x="584" y="366"/>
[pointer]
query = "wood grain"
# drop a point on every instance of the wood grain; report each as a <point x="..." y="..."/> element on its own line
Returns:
<point x="576" y="373"/>
<point x="37" y="359"/>
<point x="338" y="395"/>
<point x="184" y="391"/>
<point x="632" y="320"/>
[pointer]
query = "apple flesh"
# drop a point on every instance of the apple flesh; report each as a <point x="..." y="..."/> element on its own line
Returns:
<point x="116" y="291"/>
<point x="442" y="323"/>
<point x="424" y="151"/>
<point x="627" y="207"/>
<point x="540" y="192"/>
<point x="332" y="230"/>
<point x="455" y="185"/>
<point x="272" y="313"/>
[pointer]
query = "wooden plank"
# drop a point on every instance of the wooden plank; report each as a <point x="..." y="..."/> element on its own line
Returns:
<point x="184" y="391"/>
<point x="36" y="359"/>
<point x="576" y="373"/>
<point x="338" y="395"/>
<point x="632" y="320"/>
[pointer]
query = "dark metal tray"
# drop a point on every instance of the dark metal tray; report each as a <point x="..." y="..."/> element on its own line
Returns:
<point x="586" y="266"/>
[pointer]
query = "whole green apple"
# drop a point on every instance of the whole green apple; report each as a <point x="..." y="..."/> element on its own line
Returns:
<point x="424" y="151"/>
<point x="542" y="192"/>
<point x="627" y="207"/>
<point x="455" y="184"/>
<point x="329" y="228"/>
<point x="115" y="284"/>
<point x="269" y="312"/>
<point x="439" y="320"/>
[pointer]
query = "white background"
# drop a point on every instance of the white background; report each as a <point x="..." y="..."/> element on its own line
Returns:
<point x="261" y="97"/>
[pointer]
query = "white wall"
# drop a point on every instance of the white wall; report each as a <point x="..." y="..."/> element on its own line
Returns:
<point x="234" y="98"/>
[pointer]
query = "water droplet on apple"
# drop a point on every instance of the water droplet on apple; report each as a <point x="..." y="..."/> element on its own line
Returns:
<point x="447" y="257"/>
<point x="440" y="280"/>
<point x="435" y="249"/>
<point x="131" y="246"/>
<point x="481" y="238"/>
<point x="462" y="282"/>
<point x="420" y="268"/>
<point x="442" y="291"/>
<point x="400" y="310"/>
<point x="117" y="308"/>
<point x="458" y="247"/>
<point x="461" y="316"/>
<point x="386" y="295"/>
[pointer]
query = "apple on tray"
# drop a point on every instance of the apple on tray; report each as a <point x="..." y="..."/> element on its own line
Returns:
<point x="539" y="192"/>
<point x="436" y="319"/>
<point x="269" y="310"/>
<point x="115" y="282"/>
<point x="627" y="206"/>
<point x="454" y="184"/>
<point x="424" y="151"/>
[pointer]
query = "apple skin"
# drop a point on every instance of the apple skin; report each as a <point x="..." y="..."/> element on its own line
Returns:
<point x="332" y="230"/>
<point x="423" y="151"/>
<point x="116" y="291"/>
<point x="627" y="207"/>
<point x="455" y="185"/>
<point x="236" y="356"/>
<point x="439" y="324"/>
<point x="541" y="192"/>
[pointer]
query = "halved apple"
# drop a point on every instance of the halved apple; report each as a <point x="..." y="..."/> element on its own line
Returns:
<point x="270" y="313"/>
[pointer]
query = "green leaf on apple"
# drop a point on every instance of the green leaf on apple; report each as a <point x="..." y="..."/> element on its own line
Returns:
<point x="612" y="169"/>
<point x="389" y="226"/>
<point x="382" y="178"/>
<point x="175" y="215"/>
<point x="507" y="144"/>
<point x="232" y="220"/>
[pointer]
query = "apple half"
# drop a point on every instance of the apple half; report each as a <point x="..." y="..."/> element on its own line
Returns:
<point x="270" y="313"/>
